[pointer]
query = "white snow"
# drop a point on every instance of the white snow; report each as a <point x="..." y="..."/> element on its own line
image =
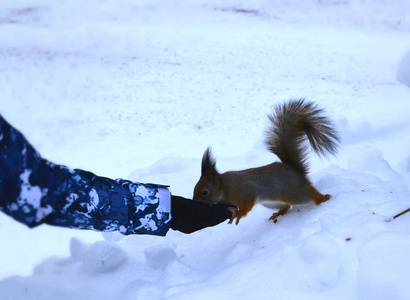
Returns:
<point x="139" y="89"/>
<point x="403" y="70"/>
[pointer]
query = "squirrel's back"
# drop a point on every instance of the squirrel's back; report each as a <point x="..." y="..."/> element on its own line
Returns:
<point x="294" y="121"/>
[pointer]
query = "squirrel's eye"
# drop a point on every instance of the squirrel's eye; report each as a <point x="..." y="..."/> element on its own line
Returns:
<point x="205" y="193"/>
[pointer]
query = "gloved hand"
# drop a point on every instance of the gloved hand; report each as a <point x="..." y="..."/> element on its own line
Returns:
<point x="189" y="216"/>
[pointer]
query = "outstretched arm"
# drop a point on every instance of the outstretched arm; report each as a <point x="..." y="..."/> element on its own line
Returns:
<point x="35" y="191"/>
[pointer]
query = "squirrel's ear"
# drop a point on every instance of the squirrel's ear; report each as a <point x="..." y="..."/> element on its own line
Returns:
<point x="208" y="166"/>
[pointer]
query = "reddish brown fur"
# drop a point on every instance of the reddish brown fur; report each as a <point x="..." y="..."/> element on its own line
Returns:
<point x="244" y="205"/>
<point x="317" y="196"/>
<point x="291" y="124"/>
<point x="283" y="210"/>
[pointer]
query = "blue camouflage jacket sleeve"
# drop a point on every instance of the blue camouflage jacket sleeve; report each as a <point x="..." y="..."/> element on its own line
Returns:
<point x="35" y="191"/>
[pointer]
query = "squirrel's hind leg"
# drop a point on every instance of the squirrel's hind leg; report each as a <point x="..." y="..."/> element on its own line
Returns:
<point x="283" y="210"/>
<point x="317" y="196"/>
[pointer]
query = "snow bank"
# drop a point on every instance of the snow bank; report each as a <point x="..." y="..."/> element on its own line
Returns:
<point x="346" y="247"/>
<point x="403" y="70"/>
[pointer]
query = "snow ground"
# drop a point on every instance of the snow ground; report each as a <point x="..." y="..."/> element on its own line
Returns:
<point x="139" y="89"/>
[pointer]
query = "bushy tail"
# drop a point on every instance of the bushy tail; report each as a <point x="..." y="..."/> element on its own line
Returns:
<point x="290" y="122"/>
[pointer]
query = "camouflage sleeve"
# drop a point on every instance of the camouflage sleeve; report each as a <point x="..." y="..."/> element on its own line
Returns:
<point x="35" y="191"/>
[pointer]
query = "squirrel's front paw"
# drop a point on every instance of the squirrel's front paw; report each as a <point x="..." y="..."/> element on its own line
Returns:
<point x="235" y="211"/>
<point x="235" y="216"/>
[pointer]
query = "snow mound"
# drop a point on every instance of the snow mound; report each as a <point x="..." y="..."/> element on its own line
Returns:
<point x="403" y="70"/>
<point x="160" y="255"/>
<point x="100" y="257"/>
<point x="384" y="267"/>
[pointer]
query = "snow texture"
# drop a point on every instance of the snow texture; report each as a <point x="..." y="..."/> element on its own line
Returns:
<point x="139" y="89"/>
<point x="403" y="70"/>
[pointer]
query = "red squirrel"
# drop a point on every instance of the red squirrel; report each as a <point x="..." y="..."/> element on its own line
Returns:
<point x="282" y="183"/>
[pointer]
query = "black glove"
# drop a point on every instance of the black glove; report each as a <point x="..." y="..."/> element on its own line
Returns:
<point x="189" y="216"/>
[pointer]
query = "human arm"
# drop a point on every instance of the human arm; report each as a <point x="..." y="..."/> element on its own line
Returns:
<point x="33" y="191"/>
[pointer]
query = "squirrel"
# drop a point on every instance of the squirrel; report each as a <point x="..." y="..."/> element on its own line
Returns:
<point x="282" y="183"/>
